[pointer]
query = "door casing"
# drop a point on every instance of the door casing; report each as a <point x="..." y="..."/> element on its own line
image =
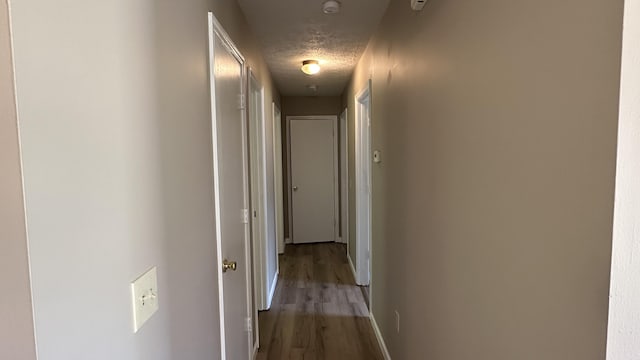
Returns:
<point x="344" y="178"/>
<point x="277" y="177"/>
<point x="363" y="191"/>
<point x="258" y="186"/>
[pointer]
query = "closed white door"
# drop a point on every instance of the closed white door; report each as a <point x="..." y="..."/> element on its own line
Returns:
<point x="313" y="179"/>
<point x="231" y="188"/>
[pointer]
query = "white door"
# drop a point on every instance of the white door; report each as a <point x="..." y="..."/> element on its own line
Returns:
<point x="313" y="179"/>
<point x="231" y="188"/>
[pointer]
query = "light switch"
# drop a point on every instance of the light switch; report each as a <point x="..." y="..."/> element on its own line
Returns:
<point x="144" y="291"/>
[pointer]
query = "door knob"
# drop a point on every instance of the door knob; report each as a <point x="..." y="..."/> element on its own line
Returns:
<point x="229" y="265"/>
<point x="295" y="188"/>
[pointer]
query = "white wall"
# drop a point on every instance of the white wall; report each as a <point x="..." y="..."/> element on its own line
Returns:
<point x="114" y="106"/>
<point x="16" y="316"/>
<point x="624" y="303"/>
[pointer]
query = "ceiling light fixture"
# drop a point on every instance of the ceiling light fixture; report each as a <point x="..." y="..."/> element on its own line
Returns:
<point x="331" y="7"/>
<point x="310" y="67"/>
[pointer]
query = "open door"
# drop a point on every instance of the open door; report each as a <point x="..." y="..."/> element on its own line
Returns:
<point x="229" y="136"/>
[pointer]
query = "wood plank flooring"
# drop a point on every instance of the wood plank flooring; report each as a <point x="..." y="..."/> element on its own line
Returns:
<point x="318" y="312"/>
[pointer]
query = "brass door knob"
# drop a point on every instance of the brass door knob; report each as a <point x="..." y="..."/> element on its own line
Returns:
<point x="229" y="265"/>
<point x="295" y="188"/>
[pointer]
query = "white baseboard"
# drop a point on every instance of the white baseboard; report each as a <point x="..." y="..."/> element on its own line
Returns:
<point x="273" y="290"/>
<point x="353" y="268"/>
<point x="383" y="346"/>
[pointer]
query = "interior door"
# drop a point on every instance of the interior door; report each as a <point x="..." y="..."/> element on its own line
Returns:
<point x="313" y="179"/>
<point x="231" y="190"/>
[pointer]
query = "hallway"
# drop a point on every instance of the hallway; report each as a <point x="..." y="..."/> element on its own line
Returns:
<point x="483" y="166"/>
<point x="318" y="312"/>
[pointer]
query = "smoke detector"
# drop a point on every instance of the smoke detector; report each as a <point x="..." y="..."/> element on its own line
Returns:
<point x="331" y="7"/>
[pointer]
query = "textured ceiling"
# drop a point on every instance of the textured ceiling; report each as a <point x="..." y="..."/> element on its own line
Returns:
<point x="290" y="31"/>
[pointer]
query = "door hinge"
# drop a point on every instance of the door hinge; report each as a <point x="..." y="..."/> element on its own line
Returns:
<point x="248" y="325"/>
<point x="245" y="216"/>
<point x="241" y="102"/>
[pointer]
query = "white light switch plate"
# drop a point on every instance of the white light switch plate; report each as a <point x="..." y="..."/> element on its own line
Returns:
<point x="144" y="291"/>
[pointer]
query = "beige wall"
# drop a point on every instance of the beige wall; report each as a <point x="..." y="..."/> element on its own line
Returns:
<point x="302" y="106"/>
<point x="624" y="303"/>
<point x="311" y="105"/>
<point x="113" y="99"/>
<point x="16" y="317"/>
<point x="492" y="207"/>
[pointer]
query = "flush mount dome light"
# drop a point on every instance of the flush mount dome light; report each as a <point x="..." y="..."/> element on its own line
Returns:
<point x="331" y="7"/>
<point x="310" y="67"/>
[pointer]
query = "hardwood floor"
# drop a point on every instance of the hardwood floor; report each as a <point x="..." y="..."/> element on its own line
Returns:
<point x="318" y="312"/>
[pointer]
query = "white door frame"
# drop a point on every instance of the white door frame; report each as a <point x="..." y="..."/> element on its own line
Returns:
<point x="258" y="185"/>
<point x="216" y="29"/>
<point x="277" y="178"/>
<point x="363" y="185"/>
<point x="344" y="178"/>
<point x="336" y="201"/>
